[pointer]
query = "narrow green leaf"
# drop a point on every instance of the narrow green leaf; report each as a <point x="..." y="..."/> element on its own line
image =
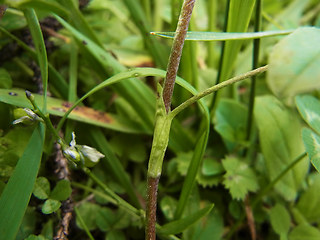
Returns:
<point x="224" y="36"/>
<point x="41" y="188"/>
<point x="293" y="69"/>
<point x="280" y="219"/>
<point x="61" y="191"/>
<point x="50" y="206"/>
<point x="311" y="142"/>
<point x="16" y="195"/>
<point x="180" y="225"/>
<point x="308" y="107"/>
<point x="281" y="143"/>
<point x="87" y="115"/>
<point x="40" y="47"/>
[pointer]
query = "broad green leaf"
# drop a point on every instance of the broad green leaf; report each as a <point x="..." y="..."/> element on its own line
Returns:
<point x="311" y="142"/>
<point x="304" y="232"/>
<point x="16" y="195"/>
<point x="223" y="36"/>
<point x="41" y="188"/>
<point x="239" y="178"/>
<point x="280" y="219"/>
<point x="83" y="114"/>
<point x="61" y="191"/>
<point x="230" y="122"/>
<point x="50" y="206"/>
<point x="309" y="108"/>
<point x="5" y="79"/>
<point x="294" y="64"/>
<point x="180" y="225"/>
<point x="309" y="201"/>
<point x="28" y="224"/>
<point x="281" y="143"/>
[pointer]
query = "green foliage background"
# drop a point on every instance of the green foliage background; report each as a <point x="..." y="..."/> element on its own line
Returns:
<point x="259" y="168"/>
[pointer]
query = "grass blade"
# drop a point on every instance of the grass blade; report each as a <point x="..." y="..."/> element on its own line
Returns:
<point x="16" y="195"/>
<point x="87" y="115"/>
<point x="224" y="36"/>
<point x="40" y="47"/>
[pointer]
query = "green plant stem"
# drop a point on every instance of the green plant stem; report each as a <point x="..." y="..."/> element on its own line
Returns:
<point x="85" y="228"/>
<point x="218" y="80"/>
<point x="212" y="9"/>
<point x="176" y="51"/>
<point x="163" y="121"/>
<point x="208" y="91"/>
<point x="255" y="63"/>
<point x="264" y="191"/>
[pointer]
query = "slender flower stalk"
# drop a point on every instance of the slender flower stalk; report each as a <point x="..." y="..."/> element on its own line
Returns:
<point x="163" y="120"/>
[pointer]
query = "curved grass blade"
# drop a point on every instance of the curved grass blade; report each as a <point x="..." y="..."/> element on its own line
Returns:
<point x="137" y="93"/>
<point x="16" y="195"/>
<point x="180" y="225"/>
<point x="87" y="115"/>
<point x="224" y="36"/>
<point x="40" y="47"/>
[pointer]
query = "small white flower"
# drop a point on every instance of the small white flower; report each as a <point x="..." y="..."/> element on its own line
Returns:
<point x="88" y="156"/>
<point x="26" y="116"/>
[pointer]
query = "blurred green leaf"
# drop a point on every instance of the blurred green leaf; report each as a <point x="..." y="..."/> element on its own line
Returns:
<point x="308" y="107"/>
<point x="5" y="79"/>
<point x="16" y="195"/>
<point x="41" y="188"/>
<point x="239" y="178"/>
<point x="115" y="235"/>
<point x="294" y="64"/>
<point x="168" y="206"/>
<point x="304" y="232"/>
<point x="280" y="219"/>
<point x="34" y="237"/>
<point x="311" y="142"/>
<point x="281" y="143"/>
<point x="105" y="219"/>
<point x="230" y="122"/>
<point x="309" y="201"/>
<point x="50" y="206"/>
<point x="61" y="191"/>
<point x="223" y="36"/>
<point x="88" y="212"/>
<point x="180" y="225"/>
